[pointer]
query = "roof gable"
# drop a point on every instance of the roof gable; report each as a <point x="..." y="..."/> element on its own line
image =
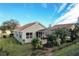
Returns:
<point x="28" y="25"/>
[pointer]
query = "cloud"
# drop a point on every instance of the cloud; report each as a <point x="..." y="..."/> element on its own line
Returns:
<point x="54" y="9"/>
<point x="62" y="7"/>
<point x="71" y="20"/>
<point x="70" y="6"/>
<point x="69" y="17"/>
<point x="44" y="5"/>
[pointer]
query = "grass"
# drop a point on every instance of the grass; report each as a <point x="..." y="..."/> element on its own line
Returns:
<point x="14" y="48"/>
<point x="68" y="51"/>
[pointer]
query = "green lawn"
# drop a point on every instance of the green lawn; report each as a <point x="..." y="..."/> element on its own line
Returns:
<point x="72" y="50"/>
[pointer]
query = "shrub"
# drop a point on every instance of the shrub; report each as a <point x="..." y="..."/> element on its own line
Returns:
<point x="4" y="36"/>
<point x="52" y="40"/>
<point x="37" y="43"/>
<point x="62" y="33"/>
<point x="11" y="35"/>
<point x="58" y="36"/>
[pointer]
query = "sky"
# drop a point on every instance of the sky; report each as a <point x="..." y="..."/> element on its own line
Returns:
<point x="45" y="13"/>
<point x="70" y="17"/>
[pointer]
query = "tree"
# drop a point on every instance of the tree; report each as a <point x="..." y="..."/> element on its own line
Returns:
<point x="58" y="36"/>
<point x="76" y="29"/>
<point x="37" y="43"/>
<point x="75" y="32"/>
<point x="3" y="28"/>
<point x="62" y="33"/>
<point x="9" y="25"/>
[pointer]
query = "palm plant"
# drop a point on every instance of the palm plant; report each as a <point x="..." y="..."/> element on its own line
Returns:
<point x="37" y="43"/>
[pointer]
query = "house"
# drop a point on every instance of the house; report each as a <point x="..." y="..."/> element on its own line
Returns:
<point x="8" y="32"/>
<point x="67" y="26"/>
<point x="26" y="33"/>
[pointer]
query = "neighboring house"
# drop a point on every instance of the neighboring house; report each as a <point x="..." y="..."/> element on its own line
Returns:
<point x="67" y="26"/>
<point x="8" y="32"/>
<point x="26" y="33"/>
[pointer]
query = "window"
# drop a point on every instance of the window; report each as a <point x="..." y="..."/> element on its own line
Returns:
<point x="28" y="35"/>
<point x="38" y="34"/>
<point x="17" y="34"/>
<point x="42" y="32"/>
<point x="20" y="35"/>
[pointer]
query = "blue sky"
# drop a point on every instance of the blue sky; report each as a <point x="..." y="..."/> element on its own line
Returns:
<point x="45" y="13"/>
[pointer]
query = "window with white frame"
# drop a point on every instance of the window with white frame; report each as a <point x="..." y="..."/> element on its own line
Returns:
<point x="28" y="35"/>
<point x="38" y="34"/>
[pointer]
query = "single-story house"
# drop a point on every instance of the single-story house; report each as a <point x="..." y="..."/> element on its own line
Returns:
<point x="6" y="33"/>
<point x="26" y="33"/>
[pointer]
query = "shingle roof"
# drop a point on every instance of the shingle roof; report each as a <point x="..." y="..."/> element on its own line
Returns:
<point x="27" y="25"/>
<point x="62" y="25"/>
<point x="17" y="26"/>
